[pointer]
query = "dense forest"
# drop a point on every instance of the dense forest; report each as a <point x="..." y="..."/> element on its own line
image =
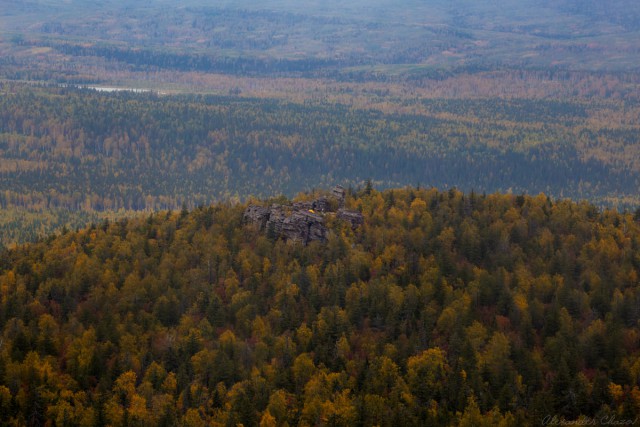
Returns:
<point x="444" y="308"/>
<point x="165" y="144"/>
<point x="20" y="225"/>
<point x="281" y="96"/>
<point x="81" y="149"/>
<point x="70" y="156"/>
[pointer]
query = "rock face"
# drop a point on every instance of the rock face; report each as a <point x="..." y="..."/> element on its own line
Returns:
<point x="322" y="205"/>
<point x="352" y="217"/>
<point x="257" y="215"/>
<point x="304" y="227"/>
<point x="302" y="206"/>
<point x="276" y="219"/>
<point x="340" y="194"/>
<point x="301" y="225"/>
<point x="304" y="221"/>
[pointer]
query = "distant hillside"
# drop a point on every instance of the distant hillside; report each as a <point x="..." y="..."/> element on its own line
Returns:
<point x="84" y="150"/>
<point x="316" y="39"/>
<point x="443" y="308"/>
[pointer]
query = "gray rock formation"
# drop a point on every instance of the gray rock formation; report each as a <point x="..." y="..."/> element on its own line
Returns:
<point x="256" y="215"/>
<point x="305" y="227"/>
<point x="304" y="221"/>
<point x="277" y="216"/>
<point x="352" y="217"/>
<point x="302" y="225"/>
<point x="302" y="206"/>
<point x="322" y="204"/>
<point x="340" y="194"/>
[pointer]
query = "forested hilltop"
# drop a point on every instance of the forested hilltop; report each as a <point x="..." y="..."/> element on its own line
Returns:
<point x="443" y="308"/>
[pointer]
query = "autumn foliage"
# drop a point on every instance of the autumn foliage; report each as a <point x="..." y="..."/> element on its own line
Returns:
<point x="443" y="309"/>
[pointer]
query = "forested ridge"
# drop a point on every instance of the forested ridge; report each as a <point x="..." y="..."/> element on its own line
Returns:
<point x="444" y="308"/>
<point x="361" y="40"/>
<point x="74" y="149"/>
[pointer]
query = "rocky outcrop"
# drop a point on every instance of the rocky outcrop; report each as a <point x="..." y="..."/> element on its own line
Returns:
<point x="265" y="218"/>
<point x="352" y="217"/>
<point x="277" y="215"/>
<point x="322" y="204"/>
<point x="304" y="227"/>
<point x="302" y="206"/>
<point x="297" y="224"/>
<point x="339" y="194"/>
<point x="304" y="221"/>
<point x="257" y="215"/>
